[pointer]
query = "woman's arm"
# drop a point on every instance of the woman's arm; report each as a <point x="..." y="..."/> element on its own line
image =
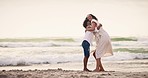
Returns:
<point x="100" y="25"/>
<point x="92" y="28"/>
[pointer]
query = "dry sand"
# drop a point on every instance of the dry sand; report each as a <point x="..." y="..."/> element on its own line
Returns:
<point x="115" y="69"/>
<point x="58" y="73"/>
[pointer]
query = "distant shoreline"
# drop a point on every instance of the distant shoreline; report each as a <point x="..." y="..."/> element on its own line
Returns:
<point x="66" y="39"/>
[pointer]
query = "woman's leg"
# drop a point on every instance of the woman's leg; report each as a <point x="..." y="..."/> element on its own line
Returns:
<point x="101" y="66"/>
<point x="94" y="55"/>
<point x="97" y="65"/>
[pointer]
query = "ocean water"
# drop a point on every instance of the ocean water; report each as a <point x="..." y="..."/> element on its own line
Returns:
<point x="28" y="51"/>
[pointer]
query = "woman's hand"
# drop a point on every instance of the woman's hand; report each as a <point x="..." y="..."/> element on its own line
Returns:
<point x="100" y="25"/>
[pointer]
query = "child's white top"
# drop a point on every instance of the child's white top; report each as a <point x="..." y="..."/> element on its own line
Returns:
<point x="88" y="37"/>
<point x="89" y="34"/>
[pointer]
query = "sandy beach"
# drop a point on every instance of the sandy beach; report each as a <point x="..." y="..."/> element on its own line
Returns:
<point x="43" y="38"/>
<point x="57" y="73"/>
<point x="114" y="69"/>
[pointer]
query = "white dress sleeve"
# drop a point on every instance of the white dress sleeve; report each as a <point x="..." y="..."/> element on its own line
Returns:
<point x="93" y="20"/>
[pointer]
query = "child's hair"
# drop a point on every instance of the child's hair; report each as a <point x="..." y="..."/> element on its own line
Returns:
<point x="85" y="23"/>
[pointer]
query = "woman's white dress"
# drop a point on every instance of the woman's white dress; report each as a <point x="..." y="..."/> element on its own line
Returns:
<point x="103" y="42"/>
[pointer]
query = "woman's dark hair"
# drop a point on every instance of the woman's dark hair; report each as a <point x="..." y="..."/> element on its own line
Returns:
<point x="93" y="17"/>
<point x="85" y="23"/>
<point x="86" y="20"/>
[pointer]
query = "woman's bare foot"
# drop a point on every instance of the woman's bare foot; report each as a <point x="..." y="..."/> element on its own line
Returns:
<point x="102" y="70"/>
<point x="87" y="70"/>
<point x="96" y="70"/>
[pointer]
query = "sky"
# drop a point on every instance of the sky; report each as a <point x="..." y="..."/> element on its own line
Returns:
<point x="64" y="18"/>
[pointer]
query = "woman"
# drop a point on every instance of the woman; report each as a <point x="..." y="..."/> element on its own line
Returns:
<point x="103" y="43"/>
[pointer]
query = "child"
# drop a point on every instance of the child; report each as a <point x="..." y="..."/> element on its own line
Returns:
<point x="87" y="41"/>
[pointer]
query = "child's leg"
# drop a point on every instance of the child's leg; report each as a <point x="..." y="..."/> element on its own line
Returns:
<point x="85" y="60"/>
<point x="86" y="47"/>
